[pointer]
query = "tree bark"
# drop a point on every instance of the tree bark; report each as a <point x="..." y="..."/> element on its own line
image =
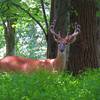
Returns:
<point x="9" y="33"/>
<point x="83" y="52"/>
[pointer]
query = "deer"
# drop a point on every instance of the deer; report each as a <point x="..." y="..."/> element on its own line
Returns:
<point x="21" y="64"/>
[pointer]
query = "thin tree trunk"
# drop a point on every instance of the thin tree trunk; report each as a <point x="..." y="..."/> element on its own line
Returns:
<point x="9" y="33"/>
<point x="51" y="44"/>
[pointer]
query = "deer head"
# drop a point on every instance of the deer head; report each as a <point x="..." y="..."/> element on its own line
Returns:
<point x="62" y="42"/>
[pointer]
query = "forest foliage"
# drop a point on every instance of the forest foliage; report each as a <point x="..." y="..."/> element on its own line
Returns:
<point x="30" y="39"/>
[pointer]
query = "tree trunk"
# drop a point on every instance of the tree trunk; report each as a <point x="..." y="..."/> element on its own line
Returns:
<point x="51" y="44"/>
<point x="98" y="40"/>
<point x="60" y="10"/>
<point x="9" y="33"/>
<point x="83" y="51"/>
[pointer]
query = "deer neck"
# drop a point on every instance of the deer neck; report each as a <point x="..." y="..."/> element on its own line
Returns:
<point x="61" y="58"/>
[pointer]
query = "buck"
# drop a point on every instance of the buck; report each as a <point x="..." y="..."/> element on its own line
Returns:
<point x="16" y="63"/>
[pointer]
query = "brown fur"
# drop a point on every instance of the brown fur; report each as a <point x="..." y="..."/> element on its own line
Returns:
<point x="15" y="63"/>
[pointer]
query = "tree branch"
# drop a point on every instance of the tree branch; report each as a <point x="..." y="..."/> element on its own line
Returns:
<point x="26" y="11"/>
<point x="44" y="14"/>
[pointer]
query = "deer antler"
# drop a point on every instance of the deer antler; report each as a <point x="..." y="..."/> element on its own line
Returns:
<point x="77" y="30"/>
<point x="71" y="38"/>
<point x="53" y="32"/>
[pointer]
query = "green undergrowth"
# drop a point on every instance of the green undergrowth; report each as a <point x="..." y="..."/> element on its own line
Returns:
<point x="44" y="85"/>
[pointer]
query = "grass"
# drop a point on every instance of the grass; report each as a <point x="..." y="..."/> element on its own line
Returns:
<point x="43" y="85"/>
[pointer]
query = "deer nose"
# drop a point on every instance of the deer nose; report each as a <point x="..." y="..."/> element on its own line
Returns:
<point x="61" y="47"/>
<point x="62" y="50"/>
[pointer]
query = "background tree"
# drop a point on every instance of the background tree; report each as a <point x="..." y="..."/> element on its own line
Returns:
<point x="9" y="33"/>
<point x="51" y="44"/>
<point x="8" y="20"/>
